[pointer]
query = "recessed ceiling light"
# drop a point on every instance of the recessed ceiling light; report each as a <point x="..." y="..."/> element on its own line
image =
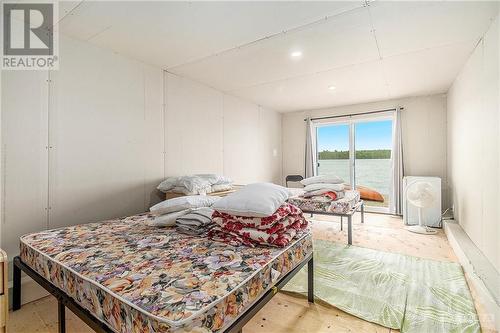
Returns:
<point x="296" y="54"/>
<point x="332" y="87"/>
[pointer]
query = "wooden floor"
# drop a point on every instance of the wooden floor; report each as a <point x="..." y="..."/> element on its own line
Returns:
<point x="381" y="232"/>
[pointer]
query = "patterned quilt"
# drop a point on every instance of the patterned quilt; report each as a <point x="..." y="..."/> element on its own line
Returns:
<point x="139" y="278"/>
<point x="278" y="229"/>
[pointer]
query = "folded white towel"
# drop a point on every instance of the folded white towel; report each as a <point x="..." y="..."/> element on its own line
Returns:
<point x="322" y="179"/>
<point x="331" y="187"/>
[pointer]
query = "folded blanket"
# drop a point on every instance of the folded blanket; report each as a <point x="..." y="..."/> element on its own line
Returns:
<point x="185" y="229"/>
<point x="250" y="237"/>
<point x="331" y="195"/>
<point x="197" y="217"/>
<point x="166" y="220"/>
<point x="258" y="222"/>
<point x="278" y="226"/>
<point x="337" y="194"/>
<point x="197" y="222"/>
<point x="328" y="179"/>
<point x="331" y="187"/>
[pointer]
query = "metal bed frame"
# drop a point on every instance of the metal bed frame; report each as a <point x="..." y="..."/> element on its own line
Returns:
<point x="359" y="206"/>
<point x="64" y="301"/>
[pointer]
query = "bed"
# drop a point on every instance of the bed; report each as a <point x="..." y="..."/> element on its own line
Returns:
<point x="125" y="276"/>
<point x="344" y="207"/>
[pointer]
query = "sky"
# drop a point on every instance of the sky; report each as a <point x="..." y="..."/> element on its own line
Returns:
<point x="369" y="135"/>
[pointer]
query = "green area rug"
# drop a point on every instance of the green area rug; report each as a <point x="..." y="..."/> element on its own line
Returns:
<point x="396" y="291"/>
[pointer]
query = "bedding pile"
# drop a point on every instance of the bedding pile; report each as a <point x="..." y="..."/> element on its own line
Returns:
<point x="324" y="193"/>
<point x="258" y="214"/>
<point x="191" y="210"/>
<point x="196" y="184"/>
<point x="325" y="187"/>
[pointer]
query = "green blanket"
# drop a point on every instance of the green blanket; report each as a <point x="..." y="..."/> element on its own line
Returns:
<point x="396" y="291"/>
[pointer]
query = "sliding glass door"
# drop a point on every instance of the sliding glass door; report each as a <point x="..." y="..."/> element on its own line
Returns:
<point x="359" y="151"/>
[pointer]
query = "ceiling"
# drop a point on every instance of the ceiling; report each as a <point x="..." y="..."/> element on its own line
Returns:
<point x="363" y="51"/>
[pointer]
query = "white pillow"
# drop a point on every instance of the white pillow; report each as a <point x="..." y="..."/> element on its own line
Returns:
<point x="223" y="180"/>
<point x="167" y="184"/>
<point x="256" y="200"/>
<point x="214" y="179"/>
<point x="329" y="179"/>
<point x="166" y="220"/>
<point x="185" y="191"/>
<point x="182" y="190"/>
<point x="222" y="187"/>
<point x="332" y="187"/>
<point x="194" y="184"/>
<point x="181" y="203"/>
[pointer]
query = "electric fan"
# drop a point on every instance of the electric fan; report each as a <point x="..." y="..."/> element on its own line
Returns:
<point x="421" y="195"/>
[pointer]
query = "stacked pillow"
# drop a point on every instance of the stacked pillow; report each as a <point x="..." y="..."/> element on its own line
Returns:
<point x="167" y="212"/>
<point x="328" y="186"/>
<point x="257" y="214"/>
<point x="196" y="184"/>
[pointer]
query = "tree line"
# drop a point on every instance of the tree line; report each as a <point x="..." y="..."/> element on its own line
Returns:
<point x="360" y="154"/>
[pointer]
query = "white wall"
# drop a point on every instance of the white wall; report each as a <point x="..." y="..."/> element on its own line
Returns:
<point x="81" y="144"/>
<point x="24" y="158"/>
<point x="209" y="131"/>
<point x="424" y="135"/>
<point x="474" y="146"/>
<point x="92" y="140"/>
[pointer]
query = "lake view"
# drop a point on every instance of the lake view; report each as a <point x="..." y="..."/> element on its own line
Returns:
<point x="372" y="173"/>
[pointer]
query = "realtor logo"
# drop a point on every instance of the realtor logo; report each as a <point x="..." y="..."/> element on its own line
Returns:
<point x="29" y="42"/>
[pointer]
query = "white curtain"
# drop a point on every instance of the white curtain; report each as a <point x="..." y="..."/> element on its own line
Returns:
<point x="396" y="201"/>
<point x="311" y="158"/>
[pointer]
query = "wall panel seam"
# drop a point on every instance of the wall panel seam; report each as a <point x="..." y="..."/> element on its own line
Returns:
<point x="49" y="147"/>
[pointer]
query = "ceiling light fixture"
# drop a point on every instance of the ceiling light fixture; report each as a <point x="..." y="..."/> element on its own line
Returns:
<point x="332" y="87"/>
<point x="296" y="54"/>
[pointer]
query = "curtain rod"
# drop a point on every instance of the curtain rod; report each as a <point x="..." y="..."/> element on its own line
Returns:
<point x="355" y="114"/>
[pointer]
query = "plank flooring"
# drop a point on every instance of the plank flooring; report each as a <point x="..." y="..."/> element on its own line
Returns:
<point x="380" y="232"/>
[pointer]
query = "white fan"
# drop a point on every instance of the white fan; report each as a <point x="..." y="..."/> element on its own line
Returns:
<point x="421" y="195"/>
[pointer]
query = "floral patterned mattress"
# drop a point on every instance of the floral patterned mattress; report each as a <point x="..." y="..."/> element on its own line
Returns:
<point x="322" y="204"/>
<point x="140" y="278"/>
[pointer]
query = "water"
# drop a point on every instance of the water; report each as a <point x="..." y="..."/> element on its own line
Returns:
<point x="372" y="173"/>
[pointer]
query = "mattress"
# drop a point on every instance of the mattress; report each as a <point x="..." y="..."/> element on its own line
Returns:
<point x="139" y="278"/>
<point x="322" y="204"/>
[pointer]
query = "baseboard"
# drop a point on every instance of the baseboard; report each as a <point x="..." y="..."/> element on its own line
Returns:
<point x="481" y="273"/>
